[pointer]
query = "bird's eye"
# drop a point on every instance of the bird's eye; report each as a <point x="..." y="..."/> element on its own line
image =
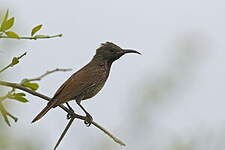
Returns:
<point x="111" y="50"/>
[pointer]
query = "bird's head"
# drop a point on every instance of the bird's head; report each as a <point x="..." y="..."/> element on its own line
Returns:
<point x="111" y="52"/>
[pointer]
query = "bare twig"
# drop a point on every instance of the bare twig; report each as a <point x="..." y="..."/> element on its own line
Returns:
<point x="17" y="86"/>
<point x="115" y="139"/>
<point x="22" y="55"/>
<point x="32" y="38"/>
<point x="64" y="133"/>
<point x="13" y="62"/>
<point x="47" y="73"/>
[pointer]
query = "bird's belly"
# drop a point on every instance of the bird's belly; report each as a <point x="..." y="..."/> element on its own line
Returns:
<point x="94" y="90"/>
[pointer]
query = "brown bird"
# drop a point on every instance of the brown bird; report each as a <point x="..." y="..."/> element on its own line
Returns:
<point x="88" y="81"/>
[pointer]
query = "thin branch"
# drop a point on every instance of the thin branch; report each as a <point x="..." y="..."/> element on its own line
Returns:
<point x="17" y="86"/>
<point x="6" y="67"/>
<point x="64" y="133"/>
<point x="32" y="37"/>
<point x="13" y="117"/>
<point x="5" y="113"/>
<point x="13" y="63"/>
<point x="47" y="73"/>
<point x="115" y="139"/>
<point x="22" y="55"/>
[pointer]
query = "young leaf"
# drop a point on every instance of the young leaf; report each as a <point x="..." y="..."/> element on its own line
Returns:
<point x="12" y="34"/>
<point x="4" y="19"/>
<point x="36" y="29"/>
<point x="21" y="99"/>
<point x="8" y="24"/>
<point x="20" y="94"/>
<point x="6" y="16"/>
<point x="15" y="61"/>
<point x="32" y="86"/>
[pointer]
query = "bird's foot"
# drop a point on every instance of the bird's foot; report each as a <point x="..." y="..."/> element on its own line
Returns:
<point x="70" y="114"/>
<point x="88" y="120"/>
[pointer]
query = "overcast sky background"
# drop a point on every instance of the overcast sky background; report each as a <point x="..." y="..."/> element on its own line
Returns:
<point x="184" y="39"/>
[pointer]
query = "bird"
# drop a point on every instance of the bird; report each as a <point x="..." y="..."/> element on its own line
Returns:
<point x="88" y="81"/>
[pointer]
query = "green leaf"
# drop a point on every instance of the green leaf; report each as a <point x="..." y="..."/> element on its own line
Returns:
<point x="32" y="86"/>
<point x="4" y="19"/>
<point x="6" y="16"/>
<point x="21" y="99"/>
<point x="36" y="29"/>
<point x="20" y="94"/>
<point x="12" y="34"/>
<point x="8" y="24"/>
<point x="15" y="61"/>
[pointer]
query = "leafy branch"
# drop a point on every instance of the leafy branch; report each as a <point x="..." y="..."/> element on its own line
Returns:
<point x="26" y="83"/>
<point x="14" y="61"/>
<point x="7" y="24"/>
<point x="74" y="115"/>
<point x="21" y="96"/>
<point x="32" y="38"/>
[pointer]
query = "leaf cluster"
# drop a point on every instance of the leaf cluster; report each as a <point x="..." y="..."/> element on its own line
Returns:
<point x="7" y="32"/>
<point x="6" y="25"/>
<point x="13" y="95"/>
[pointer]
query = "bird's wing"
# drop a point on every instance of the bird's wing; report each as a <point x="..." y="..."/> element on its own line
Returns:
<point x="85" y="78"/>
<point x="66" y="85"/>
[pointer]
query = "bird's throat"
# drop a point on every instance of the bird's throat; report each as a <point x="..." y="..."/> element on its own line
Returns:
<point x="103" y="62"/>
<point x="107" y="65"/>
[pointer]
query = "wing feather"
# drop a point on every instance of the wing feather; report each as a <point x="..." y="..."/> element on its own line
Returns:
<point x="79" y="82"/>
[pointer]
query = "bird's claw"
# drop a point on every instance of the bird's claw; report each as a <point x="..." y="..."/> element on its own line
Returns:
<point x="70" y="114"/>
<point x="88" y="120"/>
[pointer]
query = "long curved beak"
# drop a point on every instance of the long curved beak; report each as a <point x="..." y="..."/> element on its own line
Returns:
<point x="125" y="51"/>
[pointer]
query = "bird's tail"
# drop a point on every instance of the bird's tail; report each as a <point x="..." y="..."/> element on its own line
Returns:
<point x="44" y="111"/>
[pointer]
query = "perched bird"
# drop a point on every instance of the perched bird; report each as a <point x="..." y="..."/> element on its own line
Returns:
<point x="88" y="81"/>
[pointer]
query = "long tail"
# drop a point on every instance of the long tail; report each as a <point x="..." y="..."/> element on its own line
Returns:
<point x="44" y="111"/>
